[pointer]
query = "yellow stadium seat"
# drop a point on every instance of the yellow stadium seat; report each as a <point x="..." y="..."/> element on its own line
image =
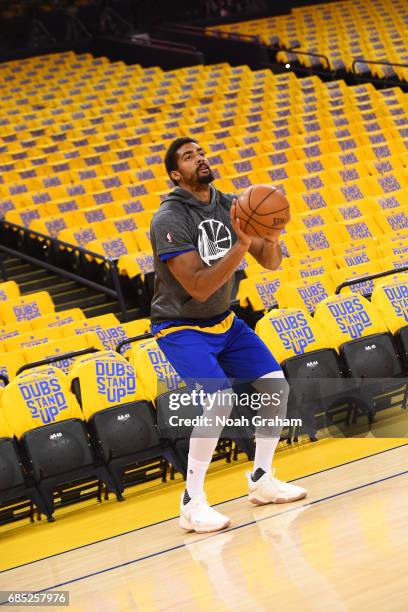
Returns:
<point x="288" y="245"/>
<point x="350" y="192"/>
<point x="387" y="183"/>
<point x="318" y="239"/>
<point x="23" y="216"/>
<point x="154" y="372"/>
<point x="390" y="248"/>
<point x="391" y="201"/>
<point x="9" y="290"/>
<point x="50" y="226"/>
<point x="46" y="417"/>
<point x="59" y="347"/>
<point x="93" y="216"/>
<point x="106" y="327"/>
<point x="361" y="229"/>
<point x="393" y="220"/>
<point x="357" y="271"/>
<point x="392" y="263"/>
<point x="37" y="398"/>
<point x="117" y="225"/>
<point x="357" y="257"/>
<point x="5" y="429"/>
<point x="255" y="270"/>
<point x="313" y="258"/>
<point x="120" y="417"/>
<point x="33" y="338"/>
<point x="354" y="172"/>
<point x="115" y="246"/>
<point x="390" y="297"/>
<point x="136" y="264"/>
<point x="142" y="237"/>
<point x="137" y="327"/>
<point x="14" y="329"/>
<point x="82" y="235"/>
<point x="10" y="362"/>
<point x="105" y="381"/>
<point x="348" y="212"/>
<point x="26" y="308"/>
<point x="140" y="327"/>
<point x="258" y="291"/>
<point x="349" y="248"/>
<point x="58" y="319"/>
<point x="311" y="220"/>
<point x="308" y="270"/>
<point x="289" y="332"/>
<point x="305" y="294"/>
<point x="347" y="317"/>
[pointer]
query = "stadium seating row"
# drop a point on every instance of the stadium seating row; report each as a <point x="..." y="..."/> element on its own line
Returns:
<point x="106" y="413"/>
<point x="341" y="31"/>
<point x="31" y="330"/>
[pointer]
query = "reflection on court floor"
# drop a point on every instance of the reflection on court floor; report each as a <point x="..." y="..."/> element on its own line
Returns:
<point x="343" y="547"/>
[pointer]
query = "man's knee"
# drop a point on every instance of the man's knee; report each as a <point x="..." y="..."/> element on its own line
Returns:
<point x="274" y="386"/>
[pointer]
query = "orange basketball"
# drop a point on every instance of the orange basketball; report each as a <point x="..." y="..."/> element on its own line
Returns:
<point x="262" y="208"/>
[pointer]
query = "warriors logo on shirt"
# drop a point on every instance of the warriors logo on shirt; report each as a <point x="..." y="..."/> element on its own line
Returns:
<point x="214" y="240"/>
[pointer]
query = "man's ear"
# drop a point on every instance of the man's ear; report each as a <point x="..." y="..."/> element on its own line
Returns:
<point x="175" y="175"/>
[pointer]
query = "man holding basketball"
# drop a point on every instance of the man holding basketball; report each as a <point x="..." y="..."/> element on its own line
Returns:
<point x="198" y="243"/>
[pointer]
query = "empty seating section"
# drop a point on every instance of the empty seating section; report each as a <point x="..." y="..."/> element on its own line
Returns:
<point x="81" y="159"/>
<point x="31" y="331"/>
<point x="86" y="166"/>
<point x="342" y="32"/>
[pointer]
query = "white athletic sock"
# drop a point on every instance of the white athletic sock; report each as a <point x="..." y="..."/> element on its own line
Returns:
<point x="264" y="452"/>
<point x="201" y="447"/>
<point x="196" y="471"/>
<point x="265" y="446"/>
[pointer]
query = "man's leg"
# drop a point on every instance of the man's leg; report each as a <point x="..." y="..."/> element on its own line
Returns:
<point x="264" y="488"/>
<point x="204" y="439"/>
<point x="194" y="356"/>
<point x="245" y="358"/>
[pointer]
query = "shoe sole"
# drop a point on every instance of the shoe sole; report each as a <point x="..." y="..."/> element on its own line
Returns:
<point x="187" y="526"/>
<point x="262" y="502"/>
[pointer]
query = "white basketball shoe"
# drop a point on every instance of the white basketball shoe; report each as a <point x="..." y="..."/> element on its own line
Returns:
<point x="197" y="515"/>
<point x="270" y="490"/>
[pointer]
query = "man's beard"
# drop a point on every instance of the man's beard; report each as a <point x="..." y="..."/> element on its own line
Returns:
<point x="205" y="179"/>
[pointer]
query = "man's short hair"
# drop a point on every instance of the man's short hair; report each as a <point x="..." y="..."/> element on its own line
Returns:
<point x="170" y="160"/>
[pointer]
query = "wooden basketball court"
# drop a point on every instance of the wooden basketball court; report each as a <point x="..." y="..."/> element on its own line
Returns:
<point x="345" y="546"/>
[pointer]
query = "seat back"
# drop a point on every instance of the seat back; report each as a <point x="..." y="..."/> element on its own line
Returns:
<point x="37" y="398"/>
<point x="14" y="329"/>
<point x="154" y="372"/>
<point x="390" y="296"/>
<point x="26" y="308"/>
<point x="304" y="293"/>
<point x="58" y="319"/>
<point x="105" y="379"/>
<point x="291" y="332"/>
<point x="10" y="362"/>
<point x="106" y="327"/>
<point x="259" y="290"/>
<point x="347" y="317"/>
<point x="9" y="290"/>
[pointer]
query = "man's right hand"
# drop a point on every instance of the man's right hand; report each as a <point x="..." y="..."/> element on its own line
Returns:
<point x="243" y="238"/>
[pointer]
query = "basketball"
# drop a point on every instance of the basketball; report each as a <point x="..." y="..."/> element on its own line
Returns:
<point x="262" y="208"/>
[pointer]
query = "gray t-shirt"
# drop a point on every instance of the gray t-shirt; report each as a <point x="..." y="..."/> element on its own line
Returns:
<point x="183" y="223"/>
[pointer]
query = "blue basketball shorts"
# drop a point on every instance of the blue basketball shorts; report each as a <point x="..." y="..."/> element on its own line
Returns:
<point x="216" y="360"/>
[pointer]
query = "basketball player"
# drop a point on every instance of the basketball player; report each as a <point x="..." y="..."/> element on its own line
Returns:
<point x="198" y="245"/>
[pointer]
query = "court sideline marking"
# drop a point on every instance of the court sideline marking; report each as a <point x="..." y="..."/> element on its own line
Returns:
<point x="334" y="467"/>
<point x="249" y="523"/>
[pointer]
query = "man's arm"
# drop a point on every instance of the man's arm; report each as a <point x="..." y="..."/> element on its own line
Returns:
<point x="267" y="251"/>
<point x="201" y="281"/>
